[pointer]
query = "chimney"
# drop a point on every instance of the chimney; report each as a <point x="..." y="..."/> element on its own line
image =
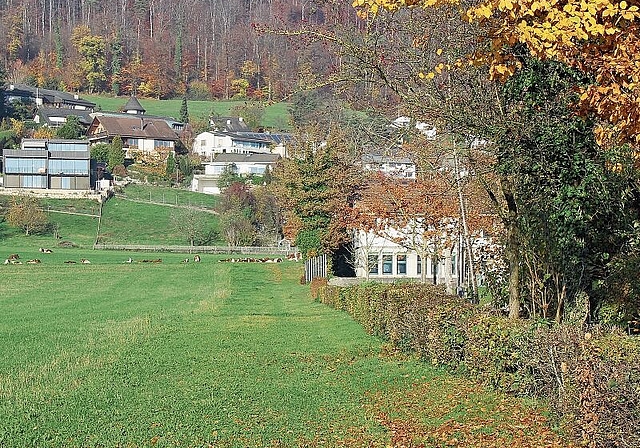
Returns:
<point x="141" y="123"/>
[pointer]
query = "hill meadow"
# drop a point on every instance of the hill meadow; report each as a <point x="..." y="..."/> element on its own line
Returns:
<point x="122" y="352"/>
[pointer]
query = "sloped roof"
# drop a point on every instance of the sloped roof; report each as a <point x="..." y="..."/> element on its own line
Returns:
<point x="229" y="124"/>
<point x="135" y="127"/>
<point x="134" y="104"/>
<point x="277" y="138"/>
<point x="84" y="116"/>
<point x="47" y="95"/>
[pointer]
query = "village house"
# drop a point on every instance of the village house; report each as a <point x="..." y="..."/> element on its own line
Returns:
<point x="242" y="164"/>
<point x="210" y="143"/>
<point x="400" y="167"/>
<point x="47" y="98"/>
<point x="140" y="133"/>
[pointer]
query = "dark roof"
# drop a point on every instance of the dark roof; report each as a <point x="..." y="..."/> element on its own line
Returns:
<point x="252" y="158"/>
<point x="48" y="96"/>
<point x="134" y="104"/>
<point x="277" y="138"/>
<point x="172" y="122"/>
<point x="134" y="127"/>
<point x="84" y="116"/>
<point x="229" y="124"/>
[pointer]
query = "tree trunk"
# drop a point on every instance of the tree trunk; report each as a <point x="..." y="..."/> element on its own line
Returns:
<point x="513" y="258"/>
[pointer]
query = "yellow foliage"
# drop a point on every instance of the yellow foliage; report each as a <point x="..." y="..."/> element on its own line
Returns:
<point x="599" y="37"/>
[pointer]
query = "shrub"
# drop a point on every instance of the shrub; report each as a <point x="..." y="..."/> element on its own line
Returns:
<point x="590" y="378"/>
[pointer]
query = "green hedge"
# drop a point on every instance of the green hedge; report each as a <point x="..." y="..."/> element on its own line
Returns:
<point x="590" y="378"/>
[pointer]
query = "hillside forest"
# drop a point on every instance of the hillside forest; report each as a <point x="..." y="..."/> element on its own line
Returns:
<point x="206" y="49"/>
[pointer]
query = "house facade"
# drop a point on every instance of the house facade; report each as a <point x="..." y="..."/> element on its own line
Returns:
<point x="48" y="164"/>
<point x="381" y="259"/>
<point x="209" y="144"/>
<point x="140" y="134"/>
<point x="394" y="166"/>
<point x="241" y="164"/>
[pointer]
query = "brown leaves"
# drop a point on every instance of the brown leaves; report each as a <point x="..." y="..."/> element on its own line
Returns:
<point x="448" y="411"/>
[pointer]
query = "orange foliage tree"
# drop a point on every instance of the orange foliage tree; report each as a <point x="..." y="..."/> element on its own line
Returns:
<point x="422" y="216"/>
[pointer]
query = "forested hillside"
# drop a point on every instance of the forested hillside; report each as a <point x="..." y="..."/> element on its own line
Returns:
<point x="163" y="48"/>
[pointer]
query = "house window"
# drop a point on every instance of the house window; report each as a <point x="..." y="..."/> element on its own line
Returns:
<point x="33" y="181"/>
<point x="161" y="144"/>
<point x="401" y="264"/>
<point x="387" y="264"/>
<point x="68" y="146"/>
<point x="453" y="264"/>
<point x="132" y="142"/>
<point x="26" y="166"/>
<point x="419" y="266"/>
<point x="62" y="166"/>
<point x="373" y="264"/>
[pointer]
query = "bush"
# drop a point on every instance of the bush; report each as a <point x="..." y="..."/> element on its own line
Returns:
<point x="590" y="378"/>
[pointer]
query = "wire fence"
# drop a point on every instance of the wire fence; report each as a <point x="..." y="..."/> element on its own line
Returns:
<point x="243" y="250"/>
<point x="170" y="199"/>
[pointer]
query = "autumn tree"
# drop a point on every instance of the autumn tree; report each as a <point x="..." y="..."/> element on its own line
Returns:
<point x="421" y="216"/>
<point x="26" y="213"/>
<point x="93" y="63"/>
<point x="314" y="188"/>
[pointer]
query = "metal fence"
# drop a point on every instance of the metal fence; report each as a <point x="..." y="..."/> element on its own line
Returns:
<point x="315" y="267"/>
<point x="244" y="250"/>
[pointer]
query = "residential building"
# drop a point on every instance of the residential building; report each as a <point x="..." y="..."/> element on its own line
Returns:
<point x="242" y="164"/>
<point x="228" y="124"/>
<point x="54" y="117"/>
<point x="400" y="167"/>
<point x="139" y="133"/>
<point x="208" y="144"/>
<point x="382" y="259"/>
<point x="47" y="98"/>
<point x="48" y="164"/>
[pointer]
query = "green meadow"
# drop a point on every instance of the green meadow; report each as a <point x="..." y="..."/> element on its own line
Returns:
<point x="210" y="354"/>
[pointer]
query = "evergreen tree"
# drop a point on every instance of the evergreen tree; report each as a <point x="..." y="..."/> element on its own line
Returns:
<point x="116" y="154"/>
<point x="184" y="110"/>
<point x="72" y="129"/>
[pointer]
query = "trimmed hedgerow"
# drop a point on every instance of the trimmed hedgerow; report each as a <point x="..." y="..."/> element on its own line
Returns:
<point x="589" y="377"/>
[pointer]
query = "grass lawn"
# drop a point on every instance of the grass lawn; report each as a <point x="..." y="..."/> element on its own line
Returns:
<point x="172" y="196"/>
<point x="124" y="221"/>
<point x="216" y="354"/>
<point x="115" y="354"/>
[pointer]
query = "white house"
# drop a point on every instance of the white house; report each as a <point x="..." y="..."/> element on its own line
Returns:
<point x="241" y="164"/>
<point x="382" y="259"/>
<point x="394" y="166"/>
<point x="210" y="143"/>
